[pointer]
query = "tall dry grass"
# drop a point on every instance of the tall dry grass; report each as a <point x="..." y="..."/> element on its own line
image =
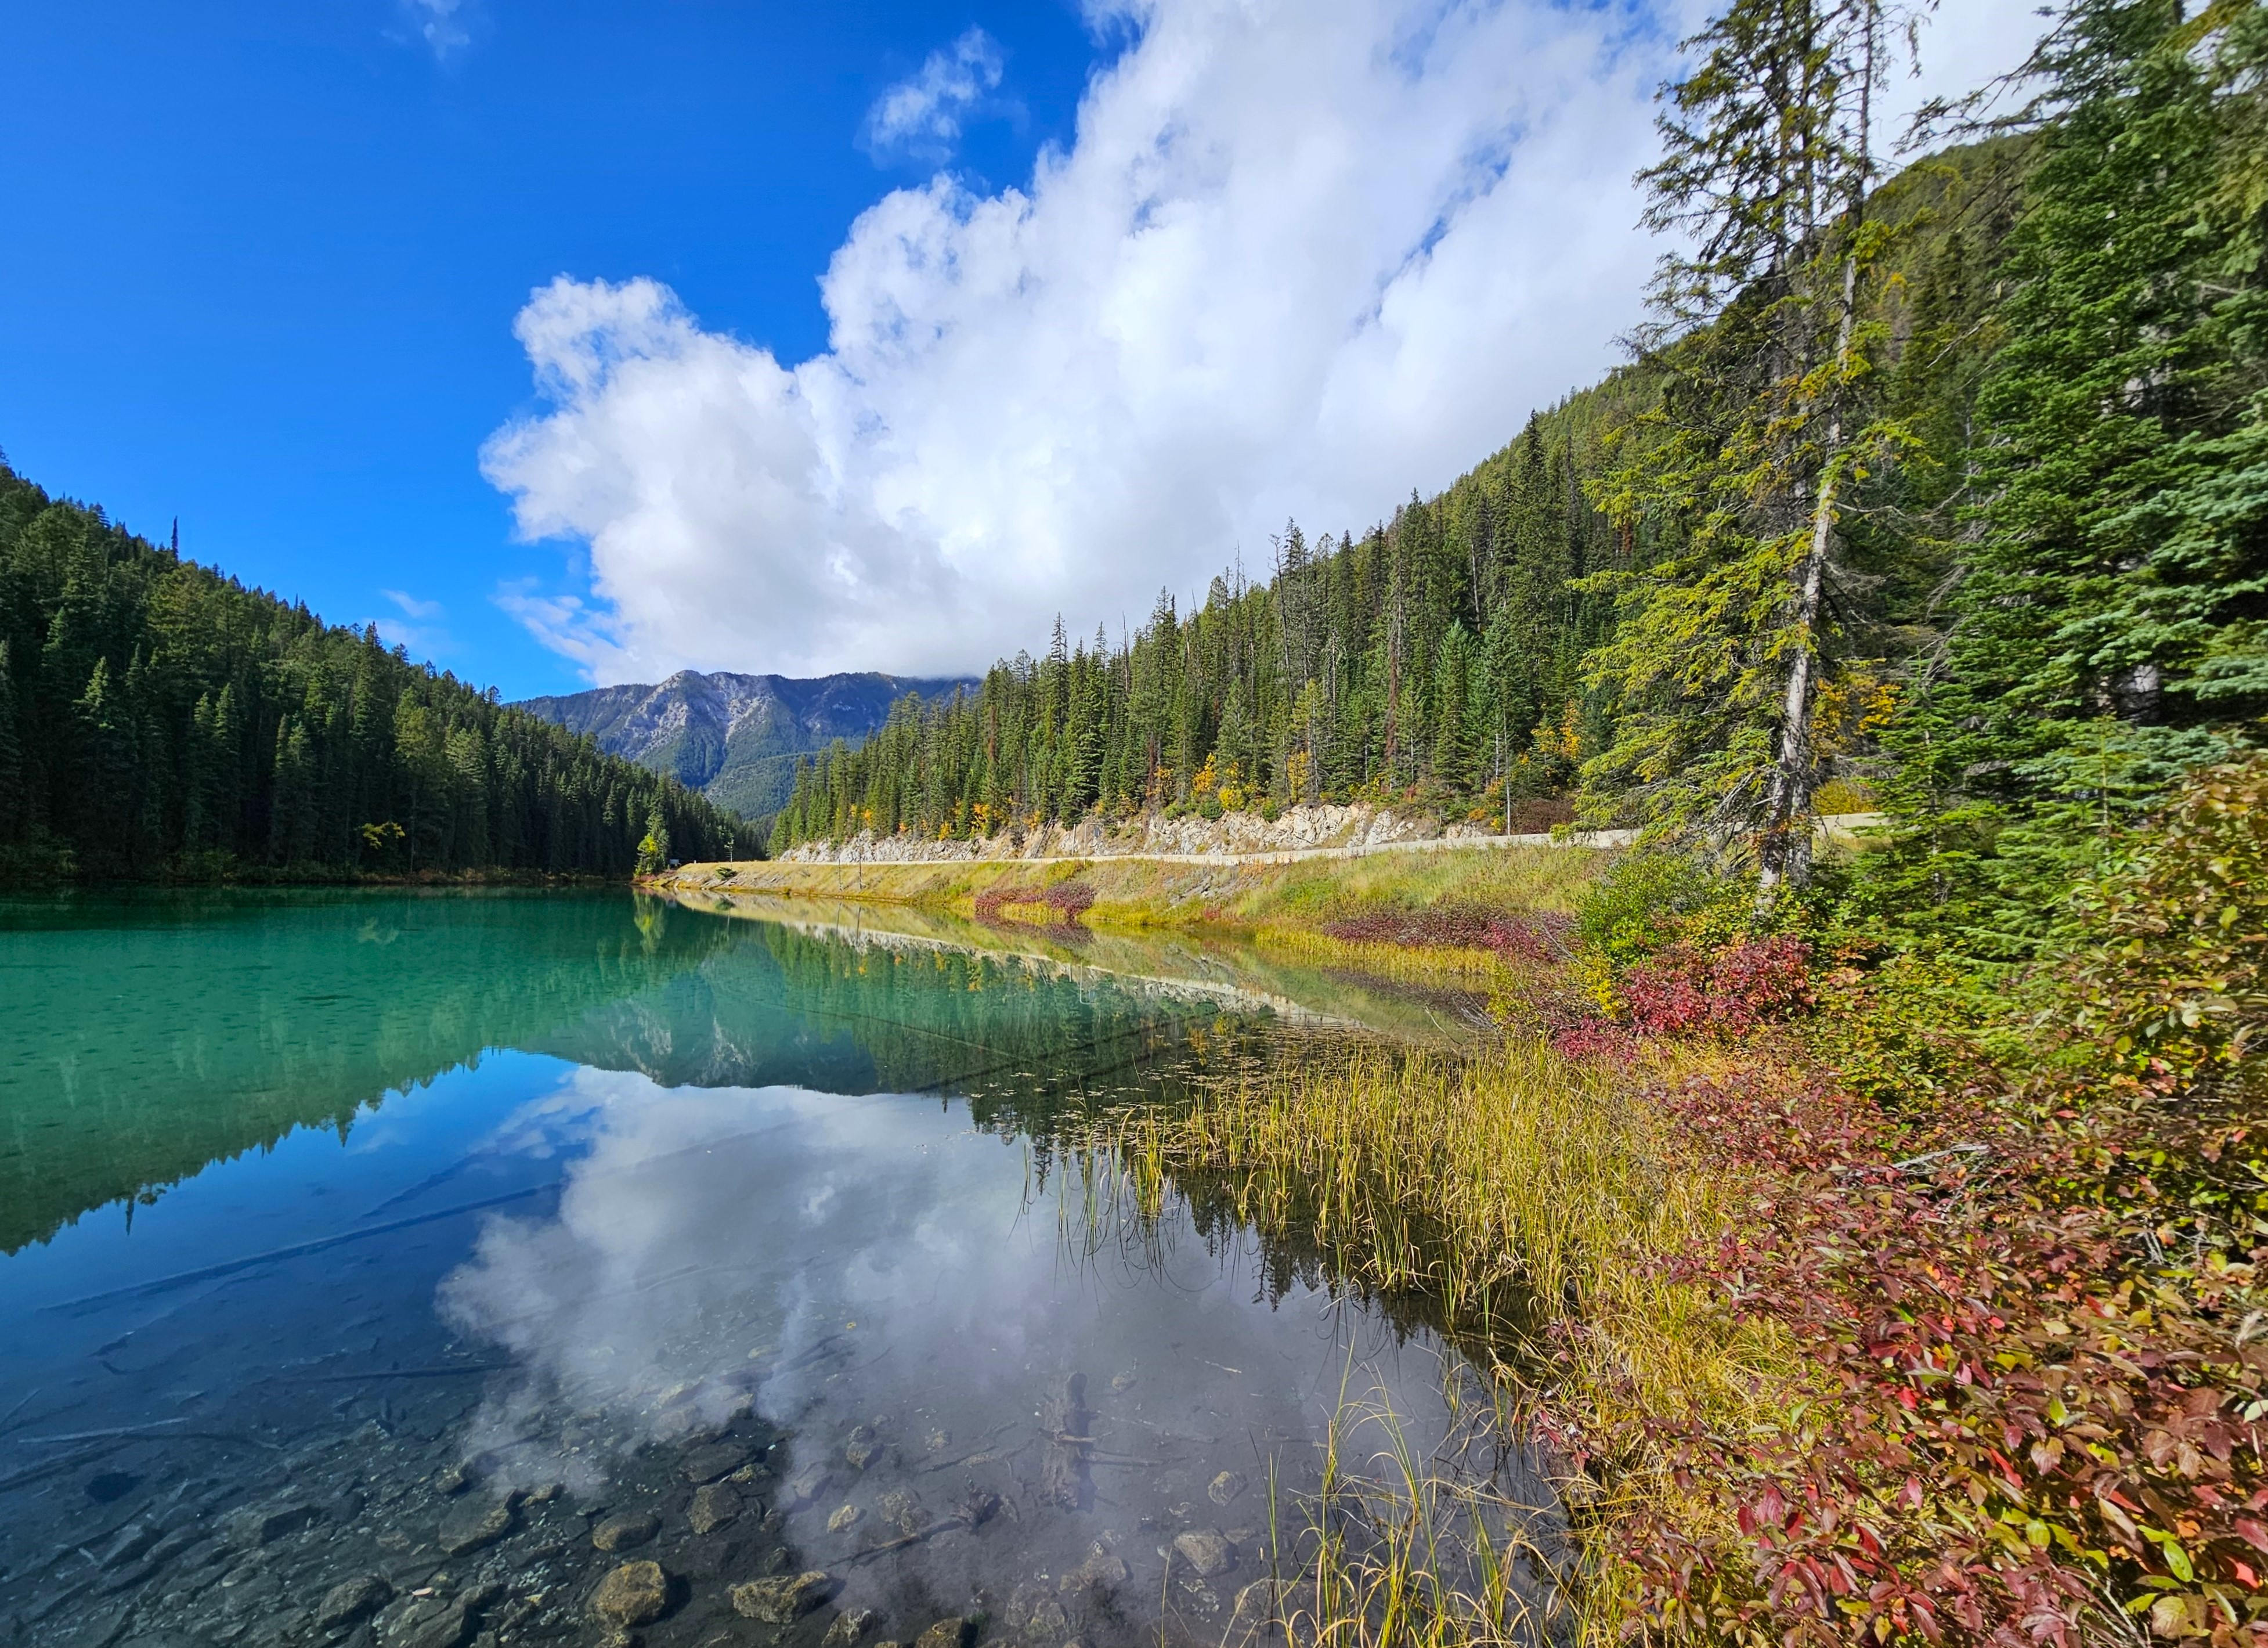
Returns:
<point x="1524" y="1193"/>
<point x="1429" y="965"/>
<point x="1392" y="1547"/>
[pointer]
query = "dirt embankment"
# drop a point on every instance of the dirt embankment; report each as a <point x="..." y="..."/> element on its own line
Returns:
<point x="1304" y="829"/>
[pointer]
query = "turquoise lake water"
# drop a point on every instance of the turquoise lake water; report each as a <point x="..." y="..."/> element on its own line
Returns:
<point x="391" y="1269"/>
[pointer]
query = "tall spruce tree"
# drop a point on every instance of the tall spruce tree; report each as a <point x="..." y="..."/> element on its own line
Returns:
<point x="12" y="809"/>
<point x="1737" y="474"/>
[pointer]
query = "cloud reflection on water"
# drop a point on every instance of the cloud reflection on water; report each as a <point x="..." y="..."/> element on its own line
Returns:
<point x="890" y="1266"/>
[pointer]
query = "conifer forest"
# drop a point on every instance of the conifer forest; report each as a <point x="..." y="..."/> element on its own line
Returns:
<point x="159" y="718"/>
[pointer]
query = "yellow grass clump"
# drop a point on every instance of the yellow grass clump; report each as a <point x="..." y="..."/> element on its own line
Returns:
<point x="1432" y="966"/>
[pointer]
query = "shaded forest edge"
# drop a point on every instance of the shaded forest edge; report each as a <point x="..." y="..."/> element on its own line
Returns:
<point x="159" y="721"/>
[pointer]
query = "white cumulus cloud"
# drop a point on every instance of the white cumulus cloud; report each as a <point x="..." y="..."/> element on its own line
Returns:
<point x="920" y="117"/>
<point x="440" y="24"/>
<point x="1300" y="259"/>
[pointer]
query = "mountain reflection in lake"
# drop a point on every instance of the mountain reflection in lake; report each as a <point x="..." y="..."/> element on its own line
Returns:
<point x="579" y="1235"/>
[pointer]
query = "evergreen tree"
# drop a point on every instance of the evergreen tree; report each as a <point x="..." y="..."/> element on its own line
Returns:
<point x="654" y="846"/>
<point x="1741" y="469"/>
<point x="12" y="809"/>
<point x="2108" y="616"/>
<point x="102" y="812"/>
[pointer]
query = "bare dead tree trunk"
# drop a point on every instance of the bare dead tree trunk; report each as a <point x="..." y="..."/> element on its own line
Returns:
<point x="1784" y="849"/>
<point x="1784" y="853"/>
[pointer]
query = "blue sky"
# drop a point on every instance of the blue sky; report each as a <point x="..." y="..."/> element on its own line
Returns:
<point x="581" y="343"/>
<point x="264" y="259"/>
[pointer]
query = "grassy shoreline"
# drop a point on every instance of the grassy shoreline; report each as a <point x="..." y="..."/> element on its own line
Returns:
<point x="1244" y="898"/>
<point x="1537" y="1201"/>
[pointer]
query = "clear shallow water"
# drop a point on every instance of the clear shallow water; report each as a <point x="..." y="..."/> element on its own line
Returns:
<point x="428" y="1244"/>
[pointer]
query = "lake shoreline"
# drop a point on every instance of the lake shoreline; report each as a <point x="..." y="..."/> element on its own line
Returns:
<point x="1816" y="1225"/>
<point x="1239" y="896"/>
<point x="450" y="1261"/>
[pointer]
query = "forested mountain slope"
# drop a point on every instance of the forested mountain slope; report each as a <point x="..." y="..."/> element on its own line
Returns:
<point x="733" y="737"/>
<point x="1954" y="487"/>
<point x="159" y="718"/>
<point x="1441" y="658"/>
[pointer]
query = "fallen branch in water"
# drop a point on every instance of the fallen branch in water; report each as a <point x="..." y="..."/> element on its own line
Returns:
<point x="297" y="1249"/>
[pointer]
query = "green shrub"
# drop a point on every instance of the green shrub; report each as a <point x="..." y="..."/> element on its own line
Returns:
<point x="1654" y="897"/>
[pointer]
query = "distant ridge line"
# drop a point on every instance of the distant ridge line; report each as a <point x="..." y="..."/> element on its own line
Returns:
<point x="735" y="737"/>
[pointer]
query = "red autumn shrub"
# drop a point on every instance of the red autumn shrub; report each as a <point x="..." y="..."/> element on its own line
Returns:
<point x="2029" y="1370"/>
<point x="1593" y="1037"/>
<point x="2030" y="1432"/>
<point x="1760" y="980"/>
<point x="1668" y="995"/>
<point x="1682" y="992"/>
<point x="1068" y="900"/>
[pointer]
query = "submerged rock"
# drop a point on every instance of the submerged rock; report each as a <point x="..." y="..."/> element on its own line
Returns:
<point x="902" y="1512"/>
<point x="1225" y="1488"/>
<point x="713" y="1506"/>
<point x="717" y="1459"/>
<point x="781" y="1601"/>
<point x="860" y="1446"/>
<point x="849" y="1627"/>
<point x="1199" y="1598"/>
<point x="806" y="1486"/>
<point x="434" y="1621"/>
<point x="843" y="1517"/>
<point x="131" y="1542"/>
<point x="351" y="1599"/>
<point x="427" y="1622"/>
<point x="1206" y="1551"/>
<point x="959" y="1631"/>
<point x="635" y="1593"/>
<point x="264" y="1524"/>
<point x="1046" y="1623"/>
<point x="1099" y="1572"/>
<point x="625" y="1530"/>
<point x="1257" y="1605"/>
<point x="470" y="1527"/>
